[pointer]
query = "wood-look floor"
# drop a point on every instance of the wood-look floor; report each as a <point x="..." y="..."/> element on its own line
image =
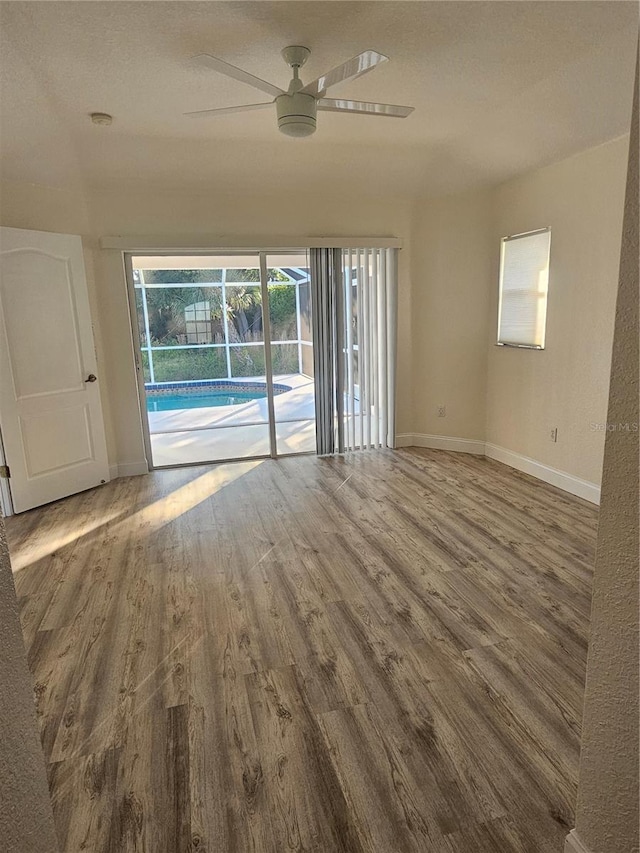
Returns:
<point x="378" y="654"/>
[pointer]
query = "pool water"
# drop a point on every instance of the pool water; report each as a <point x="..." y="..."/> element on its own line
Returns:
<point x="205" y="400"/>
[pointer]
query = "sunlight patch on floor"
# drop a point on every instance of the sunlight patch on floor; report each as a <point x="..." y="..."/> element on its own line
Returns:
<point x="152" y="517"/>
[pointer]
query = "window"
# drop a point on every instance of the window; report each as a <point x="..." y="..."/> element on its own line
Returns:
<point x="524" y="280"/>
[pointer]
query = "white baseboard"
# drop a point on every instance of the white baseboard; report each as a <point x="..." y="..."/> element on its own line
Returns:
<point x="128" y="469"/>
<point x="561" y="479"/>
<point x="440" y="442"/>
<point x="573" y="844"/>
<point x="567" y="482"/>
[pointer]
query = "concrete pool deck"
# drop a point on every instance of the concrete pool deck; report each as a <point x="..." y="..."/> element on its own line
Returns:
<point x="187" y="436"/>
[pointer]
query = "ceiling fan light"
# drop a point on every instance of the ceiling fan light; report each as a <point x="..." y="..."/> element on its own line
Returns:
<point x="297" y="126"/>
<point x="296" y="114"/>
<point x="296" y="108"/>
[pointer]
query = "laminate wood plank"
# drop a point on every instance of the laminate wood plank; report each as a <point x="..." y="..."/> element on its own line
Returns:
<point x="522" y="493"/>
<point x="530" y="709"/>
<point x="227" y="780"/>
<point x="93" y="652"/>
<point x="181" y="631"/>
<point x="143" y="817"/>
<point x="115" y="668"/>
<point x="398" y="683"/>
<point x="501" y="559"/>
<point x="378" y="653"/>
<point x="307" y="805"/>
<point x="489" y="538"/>
<point x="331" y="575"/>
<point x="495" y="836"/>
<point x="200" y="823"/>
<point x="83" y="791"/>
<point x="467" y="731"/>
<point x="531" y="629"/>
<point x="545" y="665"/>
<point x="243" y="634"/>
<point x="391" y="811"/>
<point x="385" y="593"/>
<point x="58" y="527"/>
<point x="413" y="601"/>
<point x="178" y="772"/>
<point x="570" y="532"/>
<point x="537" y="609"/>
<point x="32" y="609"/>
<point x="329" y="676"/>
<point x="265" y="615"/>
<point x="52" y="662"/>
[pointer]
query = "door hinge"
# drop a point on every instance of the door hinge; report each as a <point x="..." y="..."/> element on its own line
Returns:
<point x="5" y="473"/>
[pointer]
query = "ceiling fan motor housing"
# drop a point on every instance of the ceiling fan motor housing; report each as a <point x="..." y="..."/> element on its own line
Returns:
<point x="296" y="114"/>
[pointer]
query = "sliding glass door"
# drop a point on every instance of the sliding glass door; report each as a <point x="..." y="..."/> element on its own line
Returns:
<point x="224" y="355"/>
<point x="291" y="339"/>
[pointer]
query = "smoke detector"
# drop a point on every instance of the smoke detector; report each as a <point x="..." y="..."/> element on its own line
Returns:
<point x="101" y="118"/>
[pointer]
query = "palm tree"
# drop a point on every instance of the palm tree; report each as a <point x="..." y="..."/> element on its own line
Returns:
<point x="239" y="300"/>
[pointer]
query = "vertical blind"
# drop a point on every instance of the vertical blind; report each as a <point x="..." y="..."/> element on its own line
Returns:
<point x="354" y="292"/>
<point x="524" y="280"/>
<point x="327" y="302"/>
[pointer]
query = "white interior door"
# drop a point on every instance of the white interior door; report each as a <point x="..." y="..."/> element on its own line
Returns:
<point x="50" y="411"/>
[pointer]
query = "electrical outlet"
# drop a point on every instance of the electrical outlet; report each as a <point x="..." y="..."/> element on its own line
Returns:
<point x="553" y="434"/>
<point x="442" y="411"/>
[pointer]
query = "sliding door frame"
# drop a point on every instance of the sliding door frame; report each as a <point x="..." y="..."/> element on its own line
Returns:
<point x="268" y="365"/>
<point x="137" y="356"/>
<point x="262" y="255"/>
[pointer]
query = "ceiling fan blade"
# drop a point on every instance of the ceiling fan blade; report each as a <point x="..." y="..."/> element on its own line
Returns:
<point x="355" y="67"/>
<point x="242" y="108"/>
<point x="364" y="108"/>
<point x="223" y="67"/>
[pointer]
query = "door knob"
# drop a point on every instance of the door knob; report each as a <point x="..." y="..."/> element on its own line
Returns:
<point x="91" y="378"/>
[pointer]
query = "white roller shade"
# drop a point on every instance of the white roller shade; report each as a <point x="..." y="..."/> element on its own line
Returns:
<point x="524" y="281"/>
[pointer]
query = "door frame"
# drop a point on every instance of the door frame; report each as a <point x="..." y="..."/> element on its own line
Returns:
<point x="6" y="502"/>
<point x="262" y="255"/>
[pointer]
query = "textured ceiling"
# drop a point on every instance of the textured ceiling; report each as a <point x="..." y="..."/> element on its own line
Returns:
<point x="498" y="88"/>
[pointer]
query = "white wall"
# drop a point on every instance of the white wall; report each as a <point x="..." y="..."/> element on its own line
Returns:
<point x="450" y="275"/>
<point x="26" y="818"/>
<point x="607" y="814"/>
<point x="566" y="385"/>
<point x="504" y="397"/>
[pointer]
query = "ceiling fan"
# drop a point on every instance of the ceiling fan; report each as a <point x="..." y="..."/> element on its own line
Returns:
<point x="296" y="108"/>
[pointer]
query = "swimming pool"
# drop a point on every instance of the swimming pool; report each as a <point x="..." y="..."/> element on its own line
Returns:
<point x="205" y="395"/>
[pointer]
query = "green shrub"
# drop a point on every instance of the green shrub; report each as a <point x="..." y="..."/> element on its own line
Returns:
<point x="247" y="361"/>
<point x="193" y="365"/>
<point x="189" y="365"/>
<point x="284" y="358"/>
<point x="145" y="366"/>
<point x="282" y="312"/>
